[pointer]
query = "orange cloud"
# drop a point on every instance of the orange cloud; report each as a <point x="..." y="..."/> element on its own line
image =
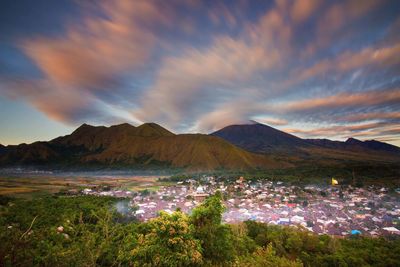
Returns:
<point x="345" y="100"/>
<point x="369" y="130"/>
<point x="273" y="121"/>
<point x="98" y="48"/>
<point x="379" y="57"/>
<point x="370" y="116"/>
<point x="336" y="17"/>
<point x="302" y="10"/>
<point x="109" y="40"/>
<point x="182" y="80"/>
<point x="59" y="104"/>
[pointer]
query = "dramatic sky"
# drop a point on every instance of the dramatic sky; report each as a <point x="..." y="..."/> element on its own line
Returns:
<point x="313" y="68"/>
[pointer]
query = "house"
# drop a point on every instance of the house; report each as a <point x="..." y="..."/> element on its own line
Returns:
<point x="199" y="195"/>
<point x="392" y="230"/>
<point x="284" y="221"/>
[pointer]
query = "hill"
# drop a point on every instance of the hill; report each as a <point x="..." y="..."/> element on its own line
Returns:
<point x="260" y="138"/>
<point x="257" y="137"/>
<point x="236" y="147"/>
<point x="355" y="144"/>
<point x="146" y="146"/>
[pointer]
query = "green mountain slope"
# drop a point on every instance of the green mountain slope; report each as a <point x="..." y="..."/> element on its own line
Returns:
<point x="260" y="138"/>
<point x="148" y="145"/>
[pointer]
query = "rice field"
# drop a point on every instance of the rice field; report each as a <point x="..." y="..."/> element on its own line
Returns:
<point x="27" y="186"/>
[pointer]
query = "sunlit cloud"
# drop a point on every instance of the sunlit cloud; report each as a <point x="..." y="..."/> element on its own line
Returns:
<point x="369" y="98"/>
<point x="370" y="116"/>
<point x="112" y="40"/>
<point x="302" y="10"/>
<point x="364" y="131"/>
<point x="198" y="66"/>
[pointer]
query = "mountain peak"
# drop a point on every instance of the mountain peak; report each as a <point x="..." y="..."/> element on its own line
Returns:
<point x="84" y="128"/>
<point x="152" y="129"/>
<point x="253" y="122"/>
<point x="123" y="126"/>
<point x="85" y="125"/>
<point x="258" y="137"/>
<point x="352" y="140"/>
<point x="244" y="123"/>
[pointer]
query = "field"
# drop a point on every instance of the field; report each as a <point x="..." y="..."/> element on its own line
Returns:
<point x="28" y="186"/>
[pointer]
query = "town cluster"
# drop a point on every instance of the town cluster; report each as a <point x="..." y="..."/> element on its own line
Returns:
<point x="335" y="210"/>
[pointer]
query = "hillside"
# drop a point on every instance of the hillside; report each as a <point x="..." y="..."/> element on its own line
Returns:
<point x="257" y="137"/>
<point x="146" y="146"/>
<point x="236" y="147"/>
<point x="356" y="145"/>
<point x="260" y="138"/>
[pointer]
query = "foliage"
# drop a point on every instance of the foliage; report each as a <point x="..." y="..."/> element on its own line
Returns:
<point x="168" y="242"/>
<point x="91" y="233"/>
<point x="94" y="234"/>
<point x="216" y="238"/>
<point x="266" y="257"/>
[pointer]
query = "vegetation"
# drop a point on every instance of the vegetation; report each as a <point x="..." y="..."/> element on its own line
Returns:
<point x="349" y="173"/>
<point x="87" y="231"/>
<point x="147" y="147"/>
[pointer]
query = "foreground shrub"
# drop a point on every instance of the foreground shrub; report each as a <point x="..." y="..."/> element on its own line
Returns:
<point x="169" y="242"/>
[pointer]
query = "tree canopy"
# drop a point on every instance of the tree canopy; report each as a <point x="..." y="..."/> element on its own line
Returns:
<point x="87" y="231"/>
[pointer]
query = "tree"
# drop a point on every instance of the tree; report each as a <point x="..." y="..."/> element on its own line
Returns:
<point x="294" y="243"/>
<point x="169" y="242"/>
<point x="216" y="238"/>
<point x="266" y="257"/>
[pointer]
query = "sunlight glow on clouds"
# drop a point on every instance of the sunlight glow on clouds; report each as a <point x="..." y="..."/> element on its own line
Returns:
<point x="315" y="68"/>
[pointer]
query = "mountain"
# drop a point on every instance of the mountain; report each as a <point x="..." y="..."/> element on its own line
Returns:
<point x="93" y="138"/>
<point x="260" y="138"/>
<point x="152" y="146"/>
<point x="257" y="137"/>
<point x="356" y="145"/>
<point x="146" y="146"/>
<point x="2" y="149"/>
<point x="35" y="153"/>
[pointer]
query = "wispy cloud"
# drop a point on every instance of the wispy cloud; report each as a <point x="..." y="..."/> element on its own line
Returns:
<point x="364" y="131"/>
<point x="195" y="65"/>
<point x="342" y="100"/>
<point x="110" y="41"/>
<point x="370" y="116"/>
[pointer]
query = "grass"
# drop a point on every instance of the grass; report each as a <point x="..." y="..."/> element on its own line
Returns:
<point x="15" y="190"/>
<point x="26" y="187"/>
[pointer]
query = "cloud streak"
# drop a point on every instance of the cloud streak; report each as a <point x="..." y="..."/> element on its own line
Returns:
<point x="342" y="100"/>
<point x="198" y="66"/>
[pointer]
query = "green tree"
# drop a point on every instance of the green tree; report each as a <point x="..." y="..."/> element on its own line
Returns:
<point x="169" y="242"/>
<point x="216" y="238"/>
<point x="266" y="257"/>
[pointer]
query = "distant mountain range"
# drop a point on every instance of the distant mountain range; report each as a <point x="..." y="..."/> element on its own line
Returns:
<point x="235" y="147"/>
<point x="146" y="146"/>
<point x="354" y="144"/>
<point x="260" y="138"/>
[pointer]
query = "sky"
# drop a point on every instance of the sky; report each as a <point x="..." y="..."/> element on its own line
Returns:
<point x="313" y="68"/>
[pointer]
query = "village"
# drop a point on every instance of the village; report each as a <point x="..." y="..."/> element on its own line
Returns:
<point x="334" y="210"/>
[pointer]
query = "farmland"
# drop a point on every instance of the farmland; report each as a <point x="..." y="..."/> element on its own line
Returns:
<point x="26" y="186"/>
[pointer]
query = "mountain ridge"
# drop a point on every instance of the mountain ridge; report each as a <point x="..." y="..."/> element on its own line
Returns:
<point x="257" y="137"/>
<point x="146" y="145"/>
<point x="261" y="138"/>
<point x="250" y="146"/>
<point x="353" y="143"/>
